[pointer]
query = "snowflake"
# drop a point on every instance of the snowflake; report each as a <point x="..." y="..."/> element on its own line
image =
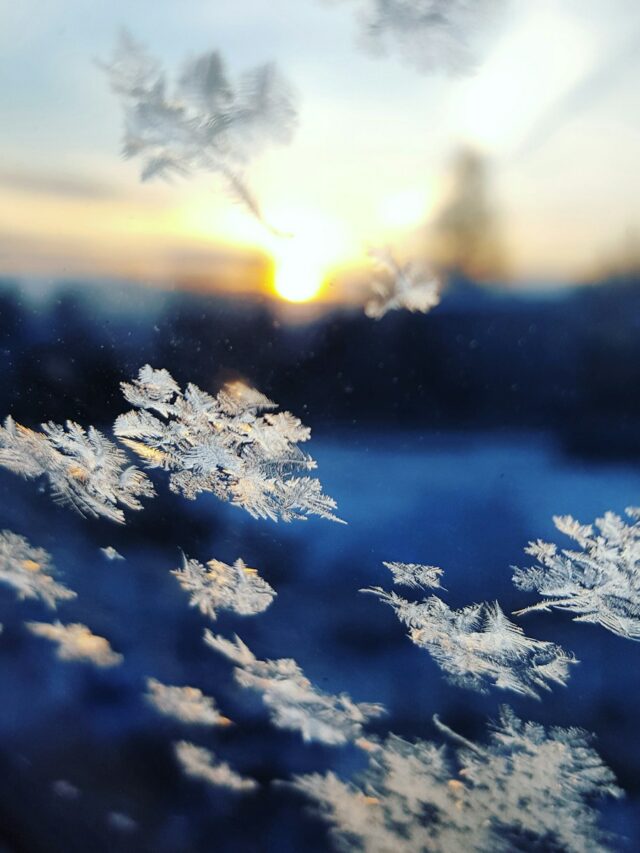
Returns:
<point x="111" y="554"/>
<point x="201" y="763"/>
<point x="237" y="587"/>
<point x="86" y="470"/>
<point x="600" y="581"/>
<point x="77" y="643"/>
<point x="29" y="571"/>
<point x="431" y="35"/>
<point x="232" y="445"/>
<point x="206" y="122"/>
<point x="187" y="704"/>
<point x="478" y="646"/>
<point x="403" y="286"/>
<point x="527" y="789"/>
<point x="293" y="701"/>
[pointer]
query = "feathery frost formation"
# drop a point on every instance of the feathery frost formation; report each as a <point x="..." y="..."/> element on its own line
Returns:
<point x="415" y="575"/>
<point x="528" y="788"/>
<point x="232" y="445"/>
<point x="203" y="122"/>
<point x="431" y="35"/>
<point x="477" y="646"/>
<point x="293" y="701"/>
<point x="401" y="286"/>
<point x="76" y="642"/>
<point x="201" y="763"/>
<point x="187" y="704"/>
<point x="219" y="586"/>
<point x="29" y="571"/>
<point x="599" y="581"/>
<point x="86" y="471"/>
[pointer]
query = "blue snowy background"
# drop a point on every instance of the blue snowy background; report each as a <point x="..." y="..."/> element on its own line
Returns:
<point x="449" y="439"/>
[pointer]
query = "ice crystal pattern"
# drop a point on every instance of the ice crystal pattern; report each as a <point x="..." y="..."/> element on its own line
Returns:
<point x="29" y="571"/>
<point x="203" y="122"/>
<point x="477" y="646"/>
<point x="293" y="701"/>
<point x="86" y="471"/>
<point x="401" y="286"/>
<point x="201" y="763"/>
<point x="431" y="35"/>
<point x="232" y="444"/>
<point x="599" y="580"/>
<point x="527" y="788"/>
<point x="75" y="642"/>
<point x="187" y="704"/>
<point x="219" y="586"/>
<point x="415" y="575"/>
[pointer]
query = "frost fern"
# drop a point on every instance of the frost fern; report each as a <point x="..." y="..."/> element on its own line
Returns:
<point x="232" y="445"/>
<point x="599" y="580"/>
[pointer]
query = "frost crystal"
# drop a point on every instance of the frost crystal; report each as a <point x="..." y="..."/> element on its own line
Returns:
<point x="600" y="580"/>
<point x="293" y="701"/>
<point x="111" y="554"/>
<point x="206" y="122"/>
<point x="201" y="763"/>
<point x="223" y="444"/>
<point x="86" y="470"/>
<point x="29" y="571"/>
<point x="187" y="704"/>
<point x="478" y="646"/>
<point x="527" y="789"/>
<point x="415" y="575"/>
<point x="431" y="35"/>
<point x="403" y="286"/>
<point x="76" y="642"/>
<point x="219" y="586"/>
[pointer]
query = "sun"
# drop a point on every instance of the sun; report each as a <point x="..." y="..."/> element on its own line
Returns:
<point x="303" y="262"/>
<point x="296" y="277"/>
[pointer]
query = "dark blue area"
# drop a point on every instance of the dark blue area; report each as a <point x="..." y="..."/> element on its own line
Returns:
<point x="462" y="496"/>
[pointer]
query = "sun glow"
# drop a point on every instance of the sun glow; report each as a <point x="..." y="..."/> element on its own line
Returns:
<point x="405" y="209"/>
<point x="303" y="262"/>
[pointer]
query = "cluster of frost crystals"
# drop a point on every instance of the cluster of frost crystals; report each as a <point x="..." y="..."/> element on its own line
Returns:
<point x="219" y="586"/>
<point x="293" y="701"/>
<point x="187" y="704"/>
<point x="599" y="580"/>
<point x="29" y="571"/>
<point x="403" y="286"/>
<point x="76" y="642"/>
<point x="232" y="445"/>
<point x="415" y="575"/>
<point x="201" y="763"/>
<point x="477" y="646"/>
<point x="527" y="789"/>
<point x="203" y="122"/>
<point x="86" y="470"/>
<point x="431" y="35"/>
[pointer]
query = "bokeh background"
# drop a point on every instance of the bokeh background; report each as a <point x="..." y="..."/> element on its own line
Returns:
<point x="449" y="439"/>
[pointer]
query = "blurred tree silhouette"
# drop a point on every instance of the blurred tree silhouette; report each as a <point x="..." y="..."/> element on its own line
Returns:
<point x="465" y="236"/>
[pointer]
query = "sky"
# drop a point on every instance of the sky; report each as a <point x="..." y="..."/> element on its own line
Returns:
<point x="552" y="106"/>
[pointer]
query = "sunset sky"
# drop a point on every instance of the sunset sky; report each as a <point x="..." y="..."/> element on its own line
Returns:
<point x="553" y="107"/>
